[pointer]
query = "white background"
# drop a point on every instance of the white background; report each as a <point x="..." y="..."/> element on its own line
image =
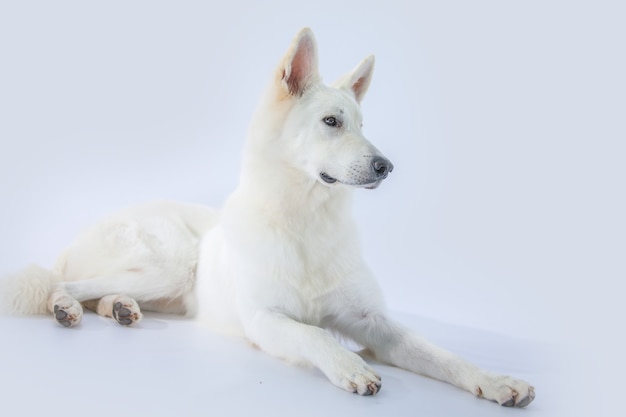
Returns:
<point x="504" y="120"/>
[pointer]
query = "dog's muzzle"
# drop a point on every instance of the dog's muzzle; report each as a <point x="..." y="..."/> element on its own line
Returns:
<point x="378" y="170"/>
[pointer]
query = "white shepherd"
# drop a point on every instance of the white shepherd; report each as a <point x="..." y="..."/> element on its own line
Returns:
<point x="280" y="263"/>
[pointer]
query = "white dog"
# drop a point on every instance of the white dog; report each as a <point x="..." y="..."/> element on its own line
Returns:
<point x="279" y="264"/>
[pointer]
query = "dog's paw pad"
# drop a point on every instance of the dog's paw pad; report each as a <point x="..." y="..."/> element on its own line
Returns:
<point x="126" y="312"/>
<point x="67" y="316"/>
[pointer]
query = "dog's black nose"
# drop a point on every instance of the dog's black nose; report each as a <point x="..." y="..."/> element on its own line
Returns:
<point x="382" y="167"/>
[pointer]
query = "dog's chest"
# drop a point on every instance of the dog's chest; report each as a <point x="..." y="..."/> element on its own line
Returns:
<point x="312" y="271"/>
<point x="296" y="261"/>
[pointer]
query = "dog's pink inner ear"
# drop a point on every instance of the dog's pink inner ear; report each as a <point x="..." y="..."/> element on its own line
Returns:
<point x="360" y="87"/>
<point x="294" y="84"/>
<point x="302" y="69"/>
<point x="359" y="79"/>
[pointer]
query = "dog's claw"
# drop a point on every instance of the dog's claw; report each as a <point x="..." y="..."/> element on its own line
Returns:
<point x="373" y="389"/>
<point x="524" y="402"/>
<point x="509" y="403"/>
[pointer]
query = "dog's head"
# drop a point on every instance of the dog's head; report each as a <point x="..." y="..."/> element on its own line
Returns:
<point x="323" y="127"/>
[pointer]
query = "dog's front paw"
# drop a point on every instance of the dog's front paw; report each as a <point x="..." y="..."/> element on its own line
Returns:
<point x="354" y="375"/>
<point x="126" y="311"/>
<point x="68" y="313"/>
<point x="506" y="391"/>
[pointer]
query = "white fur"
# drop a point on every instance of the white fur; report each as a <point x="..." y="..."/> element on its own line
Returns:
<point x="280" y="263"/>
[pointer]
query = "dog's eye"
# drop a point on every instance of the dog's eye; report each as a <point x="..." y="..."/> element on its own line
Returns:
<point x="332" y="121"/>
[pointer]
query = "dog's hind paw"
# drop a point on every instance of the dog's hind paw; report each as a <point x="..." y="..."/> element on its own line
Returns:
<point x="126" y="311"/>
<point x="68" y="315"/>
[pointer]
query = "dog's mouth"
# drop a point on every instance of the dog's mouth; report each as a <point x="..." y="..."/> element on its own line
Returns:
<point x="369" y="186"/>
<point x="327" y="178"/>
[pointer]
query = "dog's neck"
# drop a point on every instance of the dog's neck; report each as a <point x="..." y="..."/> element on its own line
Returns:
<point x="287" y="191"/>
<point x="275" y="183"/>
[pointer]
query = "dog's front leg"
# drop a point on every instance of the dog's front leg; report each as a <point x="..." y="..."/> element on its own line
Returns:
<point x="281" y="336"/>
<point x="393" y="344"/>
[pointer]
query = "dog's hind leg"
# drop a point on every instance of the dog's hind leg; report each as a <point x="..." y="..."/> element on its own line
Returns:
<point x="140" y="285"/>
<point x="120" y="295"/>
<point x="123" y="309"/>
<point x="66" y="309"/>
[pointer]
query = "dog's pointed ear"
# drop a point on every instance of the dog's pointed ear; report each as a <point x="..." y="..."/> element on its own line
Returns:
<point x="299" y="69"/>
<point x="359" y="79"/>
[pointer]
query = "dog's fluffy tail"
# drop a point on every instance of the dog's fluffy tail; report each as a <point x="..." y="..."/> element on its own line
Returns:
<point x="26" y="292"/>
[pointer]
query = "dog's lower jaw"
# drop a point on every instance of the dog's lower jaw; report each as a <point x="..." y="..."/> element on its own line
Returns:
<point x="372" y="186"/>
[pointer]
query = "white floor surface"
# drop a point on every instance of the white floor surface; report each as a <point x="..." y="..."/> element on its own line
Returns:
<point x="169" y="366"/>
